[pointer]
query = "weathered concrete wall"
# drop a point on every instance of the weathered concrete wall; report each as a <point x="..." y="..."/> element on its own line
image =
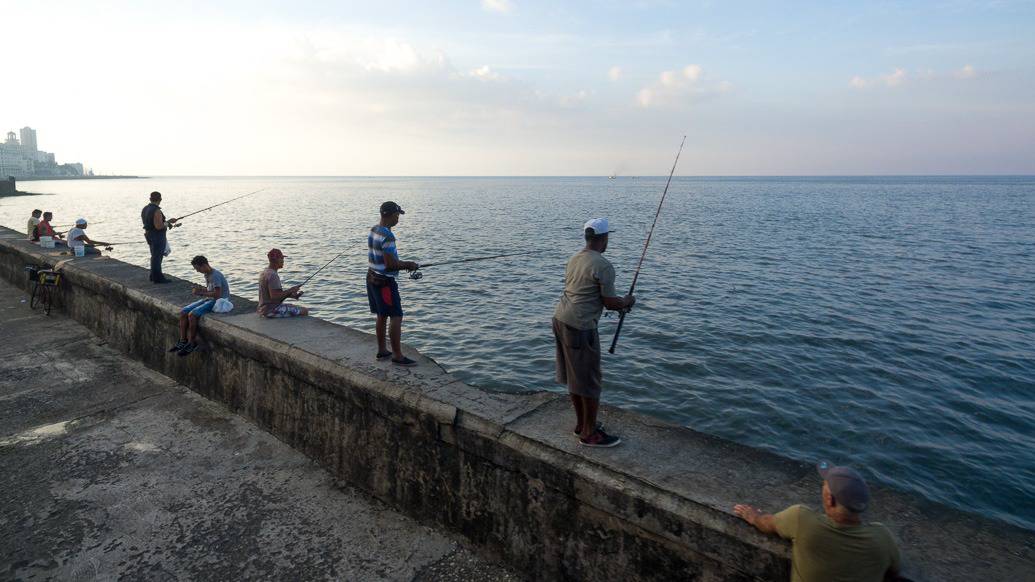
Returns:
<point x="7" y="187"/>
<point x="502" y="468"/>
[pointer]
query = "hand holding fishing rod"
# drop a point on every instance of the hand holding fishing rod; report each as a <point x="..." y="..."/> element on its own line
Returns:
<point x="646" y="244"/>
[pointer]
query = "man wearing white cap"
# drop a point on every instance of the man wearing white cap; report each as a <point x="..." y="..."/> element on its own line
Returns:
<point x="837" y="545"/>
<point x="76" y="237"/>
<point x="589" y="288"/>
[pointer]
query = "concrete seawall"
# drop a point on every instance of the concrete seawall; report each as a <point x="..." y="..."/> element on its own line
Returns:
<point x="501" y="468"/>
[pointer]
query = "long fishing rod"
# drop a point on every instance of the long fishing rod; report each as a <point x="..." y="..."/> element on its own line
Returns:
<point x="636" y="275"/>
<point x="216" y="205"/>
<point x="416" y="275"/>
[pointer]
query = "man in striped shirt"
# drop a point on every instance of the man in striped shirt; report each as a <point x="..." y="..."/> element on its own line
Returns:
<point x="382" y="287"/>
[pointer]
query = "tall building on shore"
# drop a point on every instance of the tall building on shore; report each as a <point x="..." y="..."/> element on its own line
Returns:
<point x="29" y="140"/>
<point x="24" y="159"/>
<point x="13" y="161"/>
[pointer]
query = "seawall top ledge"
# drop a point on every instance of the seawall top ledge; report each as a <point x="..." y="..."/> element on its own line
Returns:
<point x="672" y="469"/>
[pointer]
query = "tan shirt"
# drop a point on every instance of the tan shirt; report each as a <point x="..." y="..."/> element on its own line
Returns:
<point x="269" y="280"/>
<point x="33" y="222"/>
<point x="587" y="279"/>
<point x="826" y="552"/>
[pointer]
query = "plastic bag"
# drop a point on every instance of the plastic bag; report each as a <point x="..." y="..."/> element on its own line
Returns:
<point x="223" y="305"/>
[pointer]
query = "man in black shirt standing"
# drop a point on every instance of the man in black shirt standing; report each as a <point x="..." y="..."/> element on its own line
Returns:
<point x="155" y="229"/>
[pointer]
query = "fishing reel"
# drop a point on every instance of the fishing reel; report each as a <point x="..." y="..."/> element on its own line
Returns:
<point x="416" y="275"/>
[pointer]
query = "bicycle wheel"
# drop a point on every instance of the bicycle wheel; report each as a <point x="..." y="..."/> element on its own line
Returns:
<point x="34" y="300"/>
<point x="47" y="296"/>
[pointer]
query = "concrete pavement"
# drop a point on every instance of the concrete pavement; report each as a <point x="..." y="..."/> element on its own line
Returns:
<point x="110" y="470"/>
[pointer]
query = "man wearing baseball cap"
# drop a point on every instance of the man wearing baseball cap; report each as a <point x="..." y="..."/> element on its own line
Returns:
<point x="838" y="545"/>
<point x="589" y="288"/>
<point x="77" y="238"/>
<point x="272" y="293"/>
<point x="382" y="288"/>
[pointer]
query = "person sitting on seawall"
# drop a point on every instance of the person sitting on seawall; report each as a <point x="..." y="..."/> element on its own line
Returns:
<point x="76" y="237"/>
<point x="45" y="229"/>
<point x="216" y="288"/>
<point x="34" y="222"/>
<point x="272" y="293"/>
<point x="837" y="545"/>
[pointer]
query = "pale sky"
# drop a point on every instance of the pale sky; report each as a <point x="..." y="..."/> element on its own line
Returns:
<point x="516" y="87"/>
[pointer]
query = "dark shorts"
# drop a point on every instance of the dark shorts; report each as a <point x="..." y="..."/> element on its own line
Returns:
<point x="578" y="359"/>
<point x="384" y="300"/>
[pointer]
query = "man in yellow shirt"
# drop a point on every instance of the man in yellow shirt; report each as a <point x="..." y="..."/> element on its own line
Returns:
<point x="836" y="546"/>
<point x="34" y="221"/>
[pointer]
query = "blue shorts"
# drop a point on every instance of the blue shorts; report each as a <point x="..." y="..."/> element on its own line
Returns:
<point x="384" y="300"/>
<point x="199" y="307"/>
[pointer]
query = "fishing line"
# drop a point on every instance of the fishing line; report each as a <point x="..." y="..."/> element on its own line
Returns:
<point x="636" y="275"/>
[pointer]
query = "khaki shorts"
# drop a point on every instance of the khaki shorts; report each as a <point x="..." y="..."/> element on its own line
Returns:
<point x="578" y="359"/>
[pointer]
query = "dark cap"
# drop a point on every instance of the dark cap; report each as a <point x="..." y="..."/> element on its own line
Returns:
<point x="275" y="254"/>
<point x="847" y="486"/>
<point x="391" y="208"/>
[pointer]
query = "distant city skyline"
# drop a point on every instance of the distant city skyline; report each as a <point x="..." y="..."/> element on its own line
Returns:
<point x="20" y="157"/>
<point x="513" y="87"/>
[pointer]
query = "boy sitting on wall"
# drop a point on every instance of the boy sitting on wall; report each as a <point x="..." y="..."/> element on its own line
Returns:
<point x="216" y="288"/>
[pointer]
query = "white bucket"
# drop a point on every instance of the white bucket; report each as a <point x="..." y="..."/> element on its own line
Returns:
<point x="46" y="242"/>
<point x="80" y="250"/>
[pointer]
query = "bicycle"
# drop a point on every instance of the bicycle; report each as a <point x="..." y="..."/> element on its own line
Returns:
<point x="44" y="287"/>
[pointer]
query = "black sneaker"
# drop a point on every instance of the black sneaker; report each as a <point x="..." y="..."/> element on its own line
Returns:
<point x="404" y="362"/>
<point x="600" y="439"/>
<point x="179" y="346"/>
<point x="162" y="280"/>
<point x="383" y="355"/>
<point x="577" y="432"/>
<point x="187" y="350"/>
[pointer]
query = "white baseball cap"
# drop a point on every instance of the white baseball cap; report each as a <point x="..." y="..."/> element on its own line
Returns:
<point x="82" y="221"/>
<point x="599" y="225"/>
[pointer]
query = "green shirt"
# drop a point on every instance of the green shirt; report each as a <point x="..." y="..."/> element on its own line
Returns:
<point x="587" y="279"/>
<point x="826" y="552"/>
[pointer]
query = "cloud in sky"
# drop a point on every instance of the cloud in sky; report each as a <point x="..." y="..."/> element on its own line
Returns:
<point x="966" y="72"/>
<point x="678" y="86"/>
<point x="900" y="76"/>
<point x="893" y="79"/>
<point x="503" y="6"/>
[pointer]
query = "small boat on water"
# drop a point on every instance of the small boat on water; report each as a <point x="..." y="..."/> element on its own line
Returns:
<point x="611" y="177"/>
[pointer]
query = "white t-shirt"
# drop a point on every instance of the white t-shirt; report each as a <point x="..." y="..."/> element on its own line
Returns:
<point x="71" y="237"/>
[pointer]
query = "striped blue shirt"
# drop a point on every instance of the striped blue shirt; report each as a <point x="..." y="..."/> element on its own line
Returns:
<point x="381" y="241"/>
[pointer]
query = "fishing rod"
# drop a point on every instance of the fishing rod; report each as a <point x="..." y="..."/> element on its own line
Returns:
<point x="327" y="264"/>
<point x="636" y="275"/>
<point x="416" y="275"/>
<point x="216" y="205"/>
<point x="73" y="224"/>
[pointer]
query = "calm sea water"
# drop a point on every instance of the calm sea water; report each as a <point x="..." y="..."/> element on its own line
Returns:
<point x="884" y="322"/>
